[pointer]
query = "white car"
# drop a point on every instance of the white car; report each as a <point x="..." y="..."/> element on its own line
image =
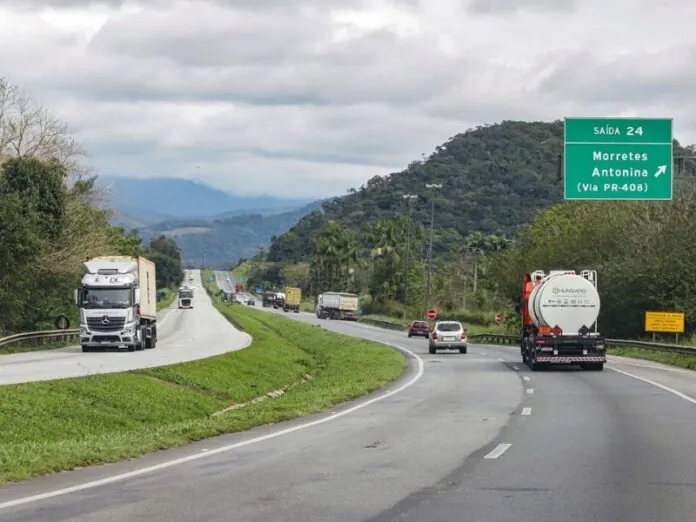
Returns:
<point x="447" y="335"/>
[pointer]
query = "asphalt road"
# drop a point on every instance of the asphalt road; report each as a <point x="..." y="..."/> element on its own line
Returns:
<point x="183" y="335"/>
<point x="473" y="437"/>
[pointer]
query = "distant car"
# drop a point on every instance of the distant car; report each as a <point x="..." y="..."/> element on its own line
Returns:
<point x="448" y="335"/>
<point x="251" y="302"/>
<point x="419" y="328"/>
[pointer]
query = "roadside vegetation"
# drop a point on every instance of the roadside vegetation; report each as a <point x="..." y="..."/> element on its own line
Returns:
<point x="291" y="369"/>
<point x="52" y="218"/>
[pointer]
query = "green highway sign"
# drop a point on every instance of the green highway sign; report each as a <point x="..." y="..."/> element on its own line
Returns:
<point x="618" y="159"/>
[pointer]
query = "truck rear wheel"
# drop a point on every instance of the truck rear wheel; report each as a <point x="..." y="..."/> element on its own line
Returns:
<point x="151" y="340"/>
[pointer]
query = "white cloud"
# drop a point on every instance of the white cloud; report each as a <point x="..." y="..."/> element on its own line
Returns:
<point x="310" y="98"/>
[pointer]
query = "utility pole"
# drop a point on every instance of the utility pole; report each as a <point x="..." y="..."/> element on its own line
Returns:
<point x="432" y="187"/>
<point x="408" y="198"/>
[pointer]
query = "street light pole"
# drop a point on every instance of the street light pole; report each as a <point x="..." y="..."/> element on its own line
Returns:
<point x="432" y="187"/>
<point x="408" y="198"/>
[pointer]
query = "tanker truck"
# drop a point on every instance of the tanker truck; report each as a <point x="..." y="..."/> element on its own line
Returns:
<point x="559" y="320"/>
<point x="118" y="303"/>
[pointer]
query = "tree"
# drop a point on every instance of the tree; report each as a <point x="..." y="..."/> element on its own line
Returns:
<point x="30" y="130"/>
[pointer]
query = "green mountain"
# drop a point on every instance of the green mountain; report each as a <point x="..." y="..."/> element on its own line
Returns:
<point x="494" y="178"/>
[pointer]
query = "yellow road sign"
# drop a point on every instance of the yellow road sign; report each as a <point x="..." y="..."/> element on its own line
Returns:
<point x="664" y="322"/>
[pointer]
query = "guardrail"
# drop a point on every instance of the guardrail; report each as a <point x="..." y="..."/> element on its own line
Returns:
<point x="43" y="337"/>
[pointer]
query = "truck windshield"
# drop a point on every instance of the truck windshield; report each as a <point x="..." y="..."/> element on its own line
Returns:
<point x="185" y="294"/>
<point x="106" y="298"/>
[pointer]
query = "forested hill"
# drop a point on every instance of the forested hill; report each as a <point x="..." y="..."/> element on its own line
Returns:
<point x="494" y="179"/>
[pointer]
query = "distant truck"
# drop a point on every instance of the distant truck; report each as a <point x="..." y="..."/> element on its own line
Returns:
<point x="293" y="297"/>
<point x="185" y="297"/>
<point x="239" y="288"/>
<point x="337" y="305"/>
<point x="268" y="299"/>
<point x="279" y="302"/>
<point x="559" y="320"/>
<point x="118" y="303"/>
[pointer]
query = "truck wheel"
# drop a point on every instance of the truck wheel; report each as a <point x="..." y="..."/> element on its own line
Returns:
<point x="462" y="350"/>
<point x="153" y="340"/>
<point x="142" y="338"/>
<point x="86" y="348"/>
<point x="432" y="349"/>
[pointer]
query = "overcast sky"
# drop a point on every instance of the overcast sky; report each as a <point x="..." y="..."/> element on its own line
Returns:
<point x="310" y="97"/>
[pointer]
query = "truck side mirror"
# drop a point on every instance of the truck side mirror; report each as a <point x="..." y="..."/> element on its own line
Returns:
<point x="76" y="296"/>
<point x="136" y="296"/>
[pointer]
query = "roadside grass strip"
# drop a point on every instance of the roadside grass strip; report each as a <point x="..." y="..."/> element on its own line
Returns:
<point x="291" y="369"/>
<point x="673" y="359"/>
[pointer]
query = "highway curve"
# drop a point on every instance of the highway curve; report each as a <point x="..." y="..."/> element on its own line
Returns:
<point x="475" y="438"/>
<point x="183" y="335"/>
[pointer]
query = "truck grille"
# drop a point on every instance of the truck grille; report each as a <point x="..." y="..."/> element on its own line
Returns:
<point x="96" y="324"/>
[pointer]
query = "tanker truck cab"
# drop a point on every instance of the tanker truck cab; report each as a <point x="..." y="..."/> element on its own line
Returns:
<point x="113" y="311"/>
<point x="559" y="320"/>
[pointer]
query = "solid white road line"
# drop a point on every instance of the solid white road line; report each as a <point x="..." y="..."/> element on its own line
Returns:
<point x="661" y="386"/>
<point x="223" y="449"/>
<point x="526" y="411"/>
<point x="498" y="451"/>
<point x="525" y="378"/>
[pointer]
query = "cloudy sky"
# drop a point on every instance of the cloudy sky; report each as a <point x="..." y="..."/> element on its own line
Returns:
<point x="307" y="98"/>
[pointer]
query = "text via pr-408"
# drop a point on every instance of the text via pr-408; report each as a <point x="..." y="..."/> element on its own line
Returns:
<point x="612" y="187"/>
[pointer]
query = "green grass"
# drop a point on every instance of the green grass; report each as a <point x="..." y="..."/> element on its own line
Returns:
<point x="674" y="359"/>
<point x="168" y="298"/>
<point x="60" y="425"/>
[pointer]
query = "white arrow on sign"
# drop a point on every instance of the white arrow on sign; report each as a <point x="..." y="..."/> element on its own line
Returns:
<point x="662" y="169"/>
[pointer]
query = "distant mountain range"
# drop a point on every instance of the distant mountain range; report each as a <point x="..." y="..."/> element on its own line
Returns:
<point x="146" y="201"/>
<point x="210" y="225"/>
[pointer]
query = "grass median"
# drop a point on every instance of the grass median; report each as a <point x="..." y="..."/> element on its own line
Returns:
<point x="297" y="368"/>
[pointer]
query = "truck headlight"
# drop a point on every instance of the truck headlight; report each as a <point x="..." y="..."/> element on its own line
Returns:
<point x="129" y="329"/>
<point x="84" y="330"/>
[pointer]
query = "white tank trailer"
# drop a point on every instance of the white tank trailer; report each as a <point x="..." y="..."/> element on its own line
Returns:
<point x="559" y="313"/>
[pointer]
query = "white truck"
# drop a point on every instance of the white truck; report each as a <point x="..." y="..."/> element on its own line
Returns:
<point x="185" y="297"/>
<point x="337" y="305"/>
<point x="559" y="320"/>
<point x="118" y="303"/>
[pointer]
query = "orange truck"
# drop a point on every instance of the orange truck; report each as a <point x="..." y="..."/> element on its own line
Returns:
<point x="559" y="313"/>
